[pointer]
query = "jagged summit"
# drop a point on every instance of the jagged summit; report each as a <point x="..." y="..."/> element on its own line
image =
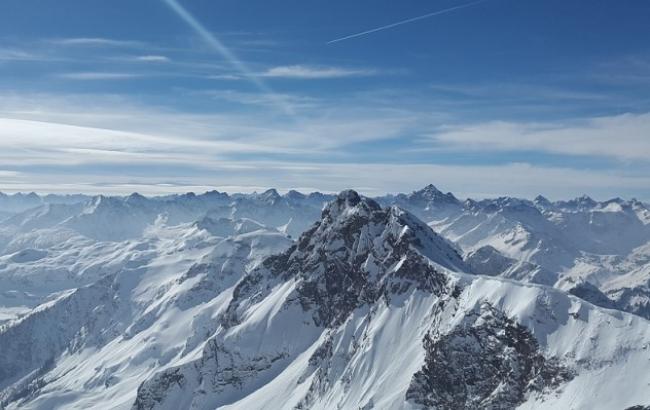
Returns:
<point x="350" y="201"/>
<point x="582" y="203"/>
<point x="136" y="198"/>
<point x="542" y="202"/>
<point x="426" y="203"/>
<point x="432" y="194"/>
<point x="295" y="195"/>
<point x="269" y="194"/>
<point x="355" y="254"/>
<point x="350" y="196"/>
<point x="364" y="225"/>
<point x="215" y="193"/>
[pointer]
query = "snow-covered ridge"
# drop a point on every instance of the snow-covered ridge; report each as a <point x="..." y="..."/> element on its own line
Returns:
<point x="561" y="243"/>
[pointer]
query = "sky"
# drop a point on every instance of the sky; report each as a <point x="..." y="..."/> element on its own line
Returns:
<point x="483" y="98"/>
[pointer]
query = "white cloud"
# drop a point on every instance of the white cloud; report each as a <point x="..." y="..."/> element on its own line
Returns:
<point x="625" y="137"/>
<point x="158" y="137"/>
<point x="227" y="77"/>
<point x="95" y="42"/>
<point x="153" y="59"/>
<point x="97" y="76"/>
<point x="517" y="92"/>
<point x="10" y="54"/>
<point x="314" y="72"/>
<point x="24" y="142"/>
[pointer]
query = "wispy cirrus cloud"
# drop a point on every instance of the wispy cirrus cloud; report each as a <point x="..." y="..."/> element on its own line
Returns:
<point x="254" y="99"/>
<point x="110" y="123"/>
<point x="623" y="137"/>
<point x="153" y="59"/>
<point x="12" y="54"/>
<point x="307" y="72"/>
<point x="226" y="77"/>
<point x="517" y="92"/>
<point x="95" y="42"/>
<point x="97" y="76"/>
<point x="4" y="173"/>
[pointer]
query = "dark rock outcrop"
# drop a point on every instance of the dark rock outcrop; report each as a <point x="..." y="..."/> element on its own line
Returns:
<point x="487" y="362"/>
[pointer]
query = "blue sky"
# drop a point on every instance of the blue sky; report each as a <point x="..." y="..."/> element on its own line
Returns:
<point x="498" y="97"/>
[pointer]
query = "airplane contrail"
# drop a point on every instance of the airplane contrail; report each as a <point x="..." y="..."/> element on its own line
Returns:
<point x="399" y="23"/>
<point x="228" y="55"/>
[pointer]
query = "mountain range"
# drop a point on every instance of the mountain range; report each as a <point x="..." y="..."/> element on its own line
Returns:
<point x="321" y="301"/>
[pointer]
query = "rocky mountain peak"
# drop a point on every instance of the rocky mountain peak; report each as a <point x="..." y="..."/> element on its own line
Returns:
<point x="135" y="199"/>
<point x="357" y="253"/>
<point x="432" y="194"/>
<point x="348" y="197"/>
<point x="354" y="225"/>
<point x="270" y="194"/>
<point x="581" y="203"/>
<point x="215" y="194"/>
<point x="542" y="202"/>
<point x="295" y="195"/>
<point x="349" y="205"/>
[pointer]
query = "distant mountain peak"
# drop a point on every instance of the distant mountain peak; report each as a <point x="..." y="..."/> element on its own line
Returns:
<point x="430" y="187"/>
<point x="432" y="194"/>
<point x="270" y="195"/>
<point x="542" y="201"/>
<point x="580" y="203"/>
<point x="295" y="195"/>
<point x="270" y="192"/>
<point x="586" y="200"/>
<point x="135" y="198"/>
<point x="430" y="190"/>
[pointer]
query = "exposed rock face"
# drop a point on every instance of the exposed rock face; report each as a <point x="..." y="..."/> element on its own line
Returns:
<point x="487" y="362"/>
<point x="153" y="393"/>
<point x="634" y="300"/>
<point x="357" y="253"/>
<point x="486" y="260"/>
<point x="590" y="293"/>
<point x="221" y="367"/>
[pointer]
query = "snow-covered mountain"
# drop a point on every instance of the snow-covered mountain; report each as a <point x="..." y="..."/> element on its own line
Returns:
<point x="269" y="301"/>
<point x="12" y="203"/>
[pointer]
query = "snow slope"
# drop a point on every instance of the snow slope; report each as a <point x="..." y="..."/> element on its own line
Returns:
<point x="564" y="243"/>
<point x="96" y="343"/>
